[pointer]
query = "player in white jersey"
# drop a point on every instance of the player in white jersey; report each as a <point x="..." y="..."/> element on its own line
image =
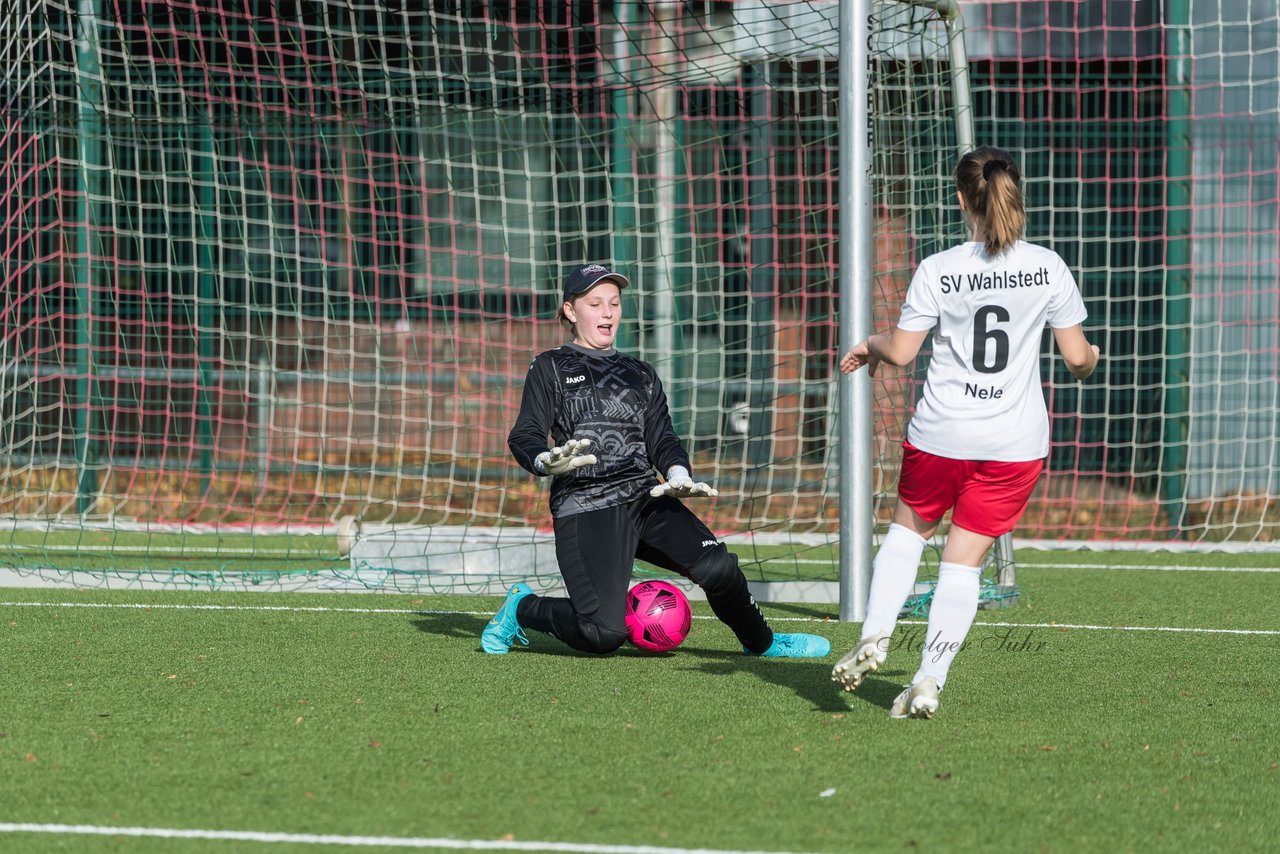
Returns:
<point x="977" y="441"/>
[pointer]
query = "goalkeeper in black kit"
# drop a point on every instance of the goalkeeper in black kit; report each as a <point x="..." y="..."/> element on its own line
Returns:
<point x="610" y="429"/>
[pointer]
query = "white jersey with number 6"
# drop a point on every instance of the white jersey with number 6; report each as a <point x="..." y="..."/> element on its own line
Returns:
<point x="982" y="397"/>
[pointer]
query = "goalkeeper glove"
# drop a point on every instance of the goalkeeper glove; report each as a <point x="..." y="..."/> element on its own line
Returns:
<point x="565" y="458"/>
<point x="680" y="485"/>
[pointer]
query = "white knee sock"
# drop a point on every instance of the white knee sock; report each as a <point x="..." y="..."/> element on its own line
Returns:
<point x="955" y="601"/>
<point x="893" y="575"/>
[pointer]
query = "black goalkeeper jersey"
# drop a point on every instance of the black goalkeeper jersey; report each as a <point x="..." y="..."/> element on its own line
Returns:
<point x="617" y="402"/>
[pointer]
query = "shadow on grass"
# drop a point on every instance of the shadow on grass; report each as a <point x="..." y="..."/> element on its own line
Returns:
<point x="878" y="689"/>
<point x="809" y="679"/>
<point x="469" y="626"/>
<point x="451" y="625"/>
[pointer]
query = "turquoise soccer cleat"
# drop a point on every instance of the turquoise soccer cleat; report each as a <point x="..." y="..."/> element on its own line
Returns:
<point x="796" y="646"/>
<point x="504" y="630"/>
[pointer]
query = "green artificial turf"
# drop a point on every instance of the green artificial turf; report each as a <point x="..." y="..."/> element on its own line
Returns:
<point x="285" y="713"/>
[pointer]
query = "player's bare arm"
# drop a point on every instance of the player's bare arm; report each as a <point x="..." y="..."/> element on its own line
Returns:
<point x="897" y="347"/>
<point x="1081" y="356"/>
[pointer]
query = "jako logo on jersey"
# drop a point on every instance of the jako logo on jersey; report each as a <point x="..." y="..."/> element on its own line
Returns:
<point x="706" y="543"/>
<point x="572" y="380"/>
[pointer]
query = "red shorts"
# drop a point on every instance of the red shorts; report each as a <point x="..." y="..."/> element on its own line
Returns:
<point x="988" y="496"/>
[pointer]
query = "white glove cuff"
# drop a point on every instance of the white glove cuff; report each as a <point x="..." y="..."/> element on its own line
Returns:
<point x="677" y="473"/>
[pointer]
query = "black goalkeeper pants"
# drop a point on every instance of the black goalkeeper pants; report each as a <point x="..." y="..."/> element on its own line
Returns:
<point x="596" y="551"/>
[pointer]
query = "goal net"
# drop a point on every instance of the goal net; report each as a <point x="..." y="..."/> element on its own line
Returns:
<point x="270" y="267"/>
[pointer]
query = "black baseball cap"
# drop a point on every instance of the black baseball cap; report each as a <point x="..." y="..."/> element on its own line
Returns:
<point x="586" y="277"/>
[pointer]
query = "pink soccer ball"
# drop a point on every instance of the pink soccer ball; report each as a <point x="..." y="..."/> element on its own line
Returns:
<point x="658" y="615"/>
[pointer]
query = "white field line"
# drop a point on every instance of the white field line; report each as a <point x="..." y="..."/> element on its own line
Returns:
<point x="1133" y="568"/>
<point x="1170" y="546"/>
<point x="363" y="841"/>
<point x="1087" y="627"/>
<point x="1029" y="564"/>
<point x="141" y="606"/>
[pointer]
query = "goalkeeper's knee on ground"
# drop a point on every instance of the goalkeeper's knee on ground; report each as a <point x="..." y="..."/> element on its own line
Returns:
<point x="600" y="639"/>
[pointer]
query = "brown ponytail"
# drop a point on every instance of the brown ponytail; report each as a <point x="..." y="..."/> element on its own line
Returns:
<point x="989" y="181"/>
